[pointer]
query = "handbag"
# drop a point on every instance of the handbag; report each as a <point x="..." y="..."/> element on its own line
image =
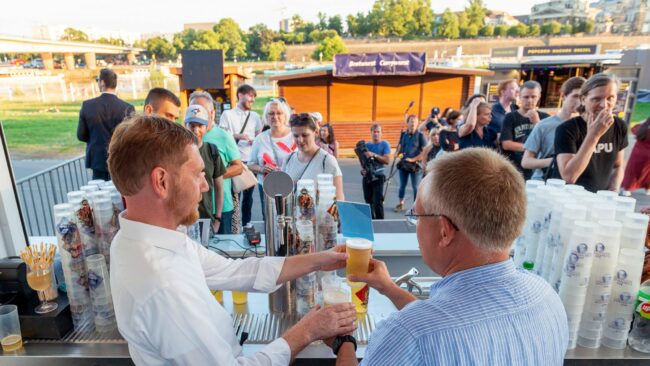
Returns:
<point x="243" y="181"/>
<point x="408" y="166"/>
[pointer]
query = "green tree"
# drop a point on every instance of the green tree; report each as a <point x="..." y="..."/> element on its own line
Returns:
<point x="161" y="48"/>
<point x="589" y="26"/>
<point x="501" y="30"/>
<point x="471" y="31"/>
<point x="322" y="21"/>
<point x="208" y="40"/>
<point x="534" y="30"/>
<point x="259" y="38"/>
<point x="519" y="30"/>
<point x="183" y="40"/>
<point x="463" y="23"/>
<point x="448" y="27"/>
<point x="567" y="29"/>
<point x="335" y="23"/>
<point x="275" y="50"/>
<point x="352" y="24"/>
<point x="231" y="36"/>
<point x="476" y="13"/>
<point x="487" y="31"/>
<point x="424" y="18"/>
<point x="111" y="41"/>
<point x="75" y="35"/>
<point x="329" y="47"/>
<point x="554" y="27"/>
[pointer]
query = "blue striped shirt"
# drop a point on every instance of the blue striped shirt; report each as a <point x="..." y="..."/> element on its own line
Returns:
<point x="488" y="315"/>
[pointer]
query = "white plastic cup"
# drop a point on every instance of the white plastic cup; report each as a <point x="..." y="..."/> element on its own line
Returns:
<point x="533" y="184"/>
<point x="88" y="188"/>
<point x="556" y="183"/>
<point x="602" y="211"/>
<point x="637" y="218"/>
<point x="573" y="188"/>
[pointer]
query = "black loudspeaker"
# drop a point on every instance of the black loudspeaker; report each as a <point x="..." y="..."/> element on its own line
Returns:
<point x="202" y="69"/>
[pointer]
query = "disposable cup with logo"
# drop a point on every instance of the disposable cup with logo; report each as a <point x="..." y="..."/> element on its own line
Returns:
<point x="603" y="211"/>
<point x="633" y="236"/>
<point x="573" y="299"/>
<point x="613" y="343"/>
<point x="626" y="315"/>
<point x="590" y="324"/>
<point x="616" y="327"/>
<point x="621" y="303"/>
<point x="574" y="309"/>
<point x="588" y="342"/>
<point x="597" y="303"/>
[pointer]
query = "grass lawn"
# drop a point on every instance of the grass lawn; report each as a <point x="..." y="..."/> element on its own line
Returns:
<point x="49" y="130"/>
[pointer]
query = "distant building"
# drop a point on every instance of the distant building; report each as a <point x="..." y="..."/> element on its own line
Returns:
<point x="199" y="26"/>
<point x="286" y="25"/>
<point x="498" y="17"/>
<point x="622" y="16"/>
<point x="571" y="12"/>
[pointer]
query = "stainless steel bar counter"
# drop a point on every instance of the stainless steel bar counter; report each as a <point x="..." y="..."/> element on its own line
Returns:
<point x="87" y="347"/>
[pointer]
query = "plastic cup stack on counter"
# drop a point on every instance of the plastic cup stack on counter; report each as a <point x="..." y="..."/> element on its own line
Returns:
<point x="324" y="179"/>
<point x="536" y="223"/>
<point x="80" y="201"/>
<point x="306" y="199"/>
<point x="74" y="265"/>
<point x="89" y="188"/>
<point x="105" y="225"/>
<point x="624" y="205"/>
<point x="625" y="286"/>
<point x="600" y="282"/>
<point x="635" y="227"/>
<point x="96" y="182"/>
<point x="100" y="293"/>
<point x="571" y="213"/>
<point x="546" y="243"/>
<point x="555" y="183"/>
<point x="575" y="274"/>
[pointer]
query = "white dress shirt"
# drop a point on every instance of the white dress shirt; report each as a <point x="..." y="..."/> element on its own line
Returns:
<point x="161" y="283"/>
<point x="233" y="120"/>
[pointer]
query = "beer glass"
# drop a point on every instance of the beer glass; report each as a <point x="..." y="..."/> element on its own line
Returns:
<point x="359" y="251"/>
<point x="360" y="294"/>
<point x="335" y="291"/>
<point x="239" y="297"/>
<point x="39" y="278"/>
<point x="10" y="336"/>
<point x="218" y="295"/>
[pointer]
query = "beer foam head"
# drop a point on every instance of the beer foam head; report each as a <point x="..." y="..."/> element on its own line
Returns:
<point x="359" y="243"/>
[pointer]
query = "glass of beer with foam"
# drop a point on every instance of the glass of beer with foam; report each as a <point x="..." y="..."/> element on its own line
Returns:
<point x="359" y="252"/>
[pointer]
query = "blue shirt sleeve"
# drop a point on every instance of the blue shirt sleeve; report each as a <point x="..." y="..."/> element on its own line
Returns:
<point x="385" y="148"/>
<point x="391" y="344"/>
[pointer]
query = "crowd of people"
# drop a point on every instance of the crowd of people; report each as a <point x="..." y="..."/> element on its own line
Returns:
<point x="171" y="174"/>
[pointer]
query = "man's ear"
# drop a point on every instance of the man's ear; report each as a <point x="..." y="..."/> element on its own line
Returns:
<point x="447" y="232"/>
<point x="160" y="181"/>
<point x="148" y="109"/>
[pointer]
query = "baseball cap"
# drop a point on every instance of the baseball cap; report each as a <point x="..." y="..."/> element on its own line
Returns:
<point x="197" y="114"/>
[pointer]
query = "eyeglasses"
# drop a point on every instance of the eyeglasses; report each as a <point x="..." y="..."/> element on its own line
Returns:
<point x="412" y="218"/>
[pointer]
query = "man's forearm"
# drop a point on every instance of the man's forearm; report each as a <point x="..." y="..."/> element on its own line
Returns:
<point x="616" y="179"/>
<point x="534" y="163"/>
<point x="346" y="355"/>
<point x="398" y="296"/>
<point x="234" y="169"/>
<point x="296" y="339"/>
<point x="512" y="145"/>
<point x="218" y="196"/>
<point x="574" y="168"/>
<point x="297" y="266"/>
<point x="384" y="159"/>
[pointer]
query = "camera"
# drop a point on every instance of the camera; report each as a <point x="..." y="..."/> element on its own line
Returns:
<point x="368" y="164"/>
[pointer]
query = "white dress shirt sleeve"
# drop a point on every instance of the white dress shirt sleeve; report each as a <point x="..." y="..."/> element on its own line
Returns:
<point x="175" y="327"/>
<point x="250" y="274"/>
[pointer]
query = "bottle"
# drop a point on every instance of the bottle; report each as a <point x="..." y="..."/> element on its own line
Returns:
<point x="528" y="266"/>
<point x="639" y="337"/>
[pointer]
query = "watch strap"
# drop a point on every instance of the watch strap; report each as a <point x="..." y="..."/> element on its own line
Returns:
<point x="339" y="340"/>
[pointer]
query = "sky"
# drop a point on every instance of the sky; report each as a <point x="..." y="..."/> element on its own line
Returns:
<point x="18" y="17"/>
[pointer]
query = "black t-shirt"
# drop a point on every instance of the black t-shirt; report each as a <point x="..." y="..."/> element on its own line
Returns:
<point x="517" y="128"/>
<point x="214" y="168"/>
<point x="570" y="135"/>
<point x="448" y="139"/>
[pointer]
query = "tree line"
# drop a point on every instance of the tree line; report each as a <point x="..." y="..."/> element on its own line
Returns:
<point x="404" y="19"/>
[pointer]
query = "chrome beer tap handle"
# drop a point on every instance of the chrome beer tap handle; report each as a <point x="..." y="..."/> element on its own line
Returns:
<point x="407" y="279"/>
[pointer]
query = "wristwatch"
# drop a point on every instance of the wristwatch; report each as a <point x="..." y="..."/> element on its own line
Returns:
<point x="339" y="340"/>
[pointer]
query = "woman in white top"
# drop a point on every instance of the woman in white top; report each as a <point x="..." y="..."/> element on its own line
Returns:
<point x="271" y="147"/>
<point x="309" y="159"/>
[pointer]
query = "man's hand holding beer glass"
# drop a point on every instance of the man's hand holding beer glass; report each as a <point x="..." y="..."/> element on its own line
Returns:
<point x="379" y="278"/>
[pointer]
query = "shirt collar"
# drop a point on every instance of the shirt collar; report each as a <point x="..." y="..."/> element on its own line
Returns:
<point x="489" y="272"/>
<point x="109" y="92"/>
<point x="157" y="236"/>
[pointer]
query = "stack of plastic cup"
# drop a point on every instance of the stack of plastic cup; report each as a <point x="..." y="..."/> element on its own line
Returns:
<point x="553" y="235"/>
<point x="520" y="242"/>
<point x="306" y="285"/>
<point x="305" y="200"/>
<point x="634" y="232"/>
<point x="96" y="182"/>
<point x="573" y="188"/>
<point x="100" y="293"/>
<point x="105" y="225"/>
<point x="571" y="213"/>
<point x="80" y="201"/>
<point x="89" y="188"/>
<point x="624" y="205"/>
<point x="600" y="283"/>
<point x="556" y="183"/>
<point x="625" y="286"/>
<point x="546" y="243"/>
<point x="326" y="224"/>
<point x="536" y="222"/>
<point x="608" y="195"/>
<point x="73" y="264"/>
<point x="324" y="179"/>
<point x="575" y="275"/>
<point x="601" y="210"/>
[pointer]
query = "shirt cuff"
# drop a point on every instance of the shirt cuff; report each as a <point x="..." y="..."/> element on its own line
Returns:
<point x="268" y="273"/>
<point x="278" y="351"/>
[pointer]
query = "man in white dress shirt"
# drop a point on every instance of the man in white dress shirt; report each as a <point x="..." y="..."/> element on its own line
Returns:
<point x="161" y="279"/>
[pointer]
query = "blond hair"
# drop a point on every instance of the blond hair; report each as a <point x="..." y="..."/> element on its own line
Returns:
<point x="481" y="192"/>
<point x="141" y="144"/>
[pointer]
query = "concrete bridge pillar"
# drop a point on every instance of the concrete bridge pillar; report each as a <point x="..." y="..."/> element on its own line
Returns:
<point x="48" y="60"/>
<point x="91" y="61"/>
<point x="68" y="58"/>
